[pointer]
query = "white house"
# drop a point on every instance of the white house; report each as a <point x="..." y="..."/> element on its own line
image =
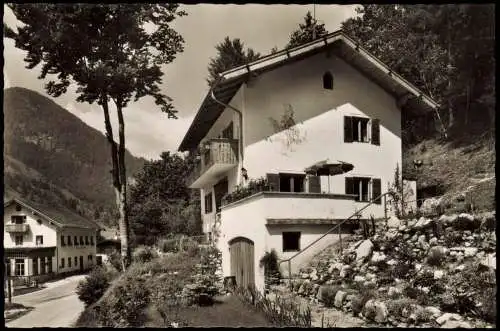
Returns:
<point x="346" y="108"/>
<point x="42" y="240"/>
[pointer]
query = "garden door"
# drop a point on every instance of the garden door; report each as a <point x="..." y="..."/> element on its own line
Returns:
<point x="242" y="261"/>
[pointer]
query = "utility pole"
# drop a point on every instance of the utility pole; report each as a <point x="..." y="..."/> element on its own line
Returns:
<point x="314" y="21"/>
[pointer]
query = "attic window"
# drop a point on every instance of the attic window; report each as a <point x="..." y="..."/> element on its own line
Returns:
<point x="39" y="221"/>
<point x="18" y="208"/>
<point x="328" y="81"/>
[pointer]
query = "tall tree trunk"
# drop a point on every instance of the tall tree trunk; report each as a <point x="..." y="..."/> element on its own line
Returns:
<point x="124" y="226"/>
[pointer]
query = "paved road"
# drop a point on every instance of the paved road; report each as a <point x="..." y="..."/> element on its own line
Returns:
<point x="55" y="306"/>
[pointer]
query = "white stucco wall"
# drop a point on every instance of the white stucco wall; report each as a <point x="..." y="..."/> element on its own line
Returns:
<point x="51" y="238"/>
<point x="319" y="114"/>
<point x="72" y="251"/>
<point x="49" y="232"/>
<point x="248" y="219"/>
<point x="320" y="117"/>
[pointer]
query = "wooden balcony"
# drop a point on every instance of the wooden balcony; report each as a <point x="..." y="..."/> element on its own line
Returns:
<point x="219" y="156"/>
<point x="16" y="228"/>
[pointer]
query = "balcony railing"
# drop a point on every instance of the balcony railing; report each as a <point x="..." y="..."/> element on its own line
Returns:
<point x="219" y="155"/>
<point x="16" y="228"/>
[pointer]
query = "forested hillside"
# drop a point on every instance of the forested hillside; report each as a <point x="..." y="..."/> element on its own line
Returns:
<point x="448" y="52"/>
<point x="51" y="156"/>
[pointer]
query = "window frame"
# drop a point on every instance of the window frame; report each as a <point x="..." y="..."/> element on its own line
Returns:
<point x="355" y="180"/>
<point x="62" y="241"/>
<point x="18" y="266"/>
<point x="209" y="208"/>
<point x="41" y="241"/>
<point x="35" y="267"/>
<point x="75" y="243"/>
<point x="328" y="81"/>
<point x="292" y="179"/>
<point x="17" y="236"/>
<point x="69" y="241"/>
<point x="69" y="262"/>
<point x="284" y="240"/>
<point x="62" y="262"/>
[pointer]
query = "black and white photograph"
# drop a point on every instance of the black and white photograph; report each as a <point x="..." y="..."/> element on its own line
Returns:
<point x="172" y="165"/>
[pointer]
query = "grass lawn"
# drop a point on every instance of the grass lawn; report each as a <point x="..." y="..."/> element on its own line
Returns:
<point x="228" y="311"/>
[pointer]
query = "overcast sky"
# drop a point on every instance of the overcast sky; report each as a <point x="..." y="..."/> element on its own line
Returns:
<point x="148" y="131"/>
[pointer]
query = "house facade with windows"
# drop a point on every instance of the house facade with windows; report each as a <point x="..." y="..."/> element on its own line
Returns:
<point x="40" y="241"/>
<point x="328" y="102"/>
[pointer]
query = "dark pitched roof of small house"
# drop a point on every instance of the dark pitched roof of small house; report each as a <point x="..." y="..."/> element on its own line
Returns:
<point x="339" y="44"/>
<point x="59" y="215"/>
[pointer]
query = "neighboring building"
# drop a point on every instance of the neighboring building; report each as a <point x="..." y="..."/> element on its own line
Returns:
<point x="43" y="240"/>
<point x="108" y="244"/>
<point x="346" y="108"/>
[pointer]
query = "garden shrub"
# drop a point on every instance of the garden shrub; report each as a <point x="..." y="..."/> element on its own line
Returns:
<point x="396" y="307"/>
<point x="424" y="278"/>
<point x="453" y="238"/>
<point x="169" y="245"/>
<point x="359" y="301"/>
<point x="124" y="306"/>
<point x="115" y="259"/>
<point x="436" y="257"/>
<point x="92" y="288"/>
<point x="271" y="267"/>
<point x="328" y="295"/>
<point x="280" y="312"/>
<point x="144" y="254"/>
<point x="207" y="280"/>
<point x="401" y="271"/>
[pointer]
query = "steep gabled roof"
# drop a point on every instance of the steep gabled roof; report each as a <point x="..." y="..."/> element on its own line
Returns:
<point x="60" y="216"/>
<point x="338" y="43"/>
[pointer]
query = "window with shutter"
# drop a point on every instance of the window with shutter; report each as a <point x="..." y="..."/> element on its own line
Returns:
<point x="314" y="184"/>
<point x="349" y="185"/>
<point x="377" y="190"/>
<point x="208" y="203"/>
<point x="348" y="129"/>
<point x="375" y="131"/>
<point x="274" y="181"/>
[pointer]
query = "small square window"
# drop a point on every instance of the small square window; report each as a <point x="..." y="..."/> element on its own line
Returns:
<point x="291" y="241"/>
<point x="18" y="240"/>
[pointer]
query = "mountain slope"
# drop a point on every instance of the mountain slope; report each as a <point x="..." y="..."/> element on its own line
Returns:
<point x="50" y="155"/>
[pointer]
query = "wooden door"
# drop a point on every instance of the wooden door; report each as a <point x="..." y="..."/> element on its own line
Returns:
<point x="242" y="261"/>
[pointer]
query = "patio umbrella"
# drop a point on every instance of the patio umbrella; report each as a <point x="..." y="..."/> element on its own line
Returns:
<point x="326" y="168"/>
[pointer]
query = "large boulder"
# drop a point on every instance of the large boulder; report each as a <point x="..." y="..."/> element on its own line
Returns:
<point x="456" y="325"/>
<point x="393" y="222"/>
<point x="448" y="219"/>
<point x="488" y="221"/>
<point x="430" y="205"/>
<point x="339" y="298"/>
<point x="434" y="311"/>
<point x="381" y="312"/>
<point x="470" y="251"/>
<point x="448" y="317"/>
<point x="423" y="223"/>
<point x="378" y="257"/>
<point x="364" y="250"/>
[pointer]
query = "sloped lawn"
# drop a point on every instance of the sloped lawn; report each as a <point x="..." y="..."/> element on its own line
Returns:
<point x="228" y="311"/>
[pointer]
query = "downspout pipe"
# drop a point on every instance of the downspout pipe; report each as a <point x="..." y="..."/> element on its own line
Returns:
<point x="240" y="115"/>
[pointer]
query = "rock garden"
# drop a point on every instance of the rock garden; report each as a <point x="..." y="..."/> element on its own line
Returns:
<point x="427" y="272"/>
